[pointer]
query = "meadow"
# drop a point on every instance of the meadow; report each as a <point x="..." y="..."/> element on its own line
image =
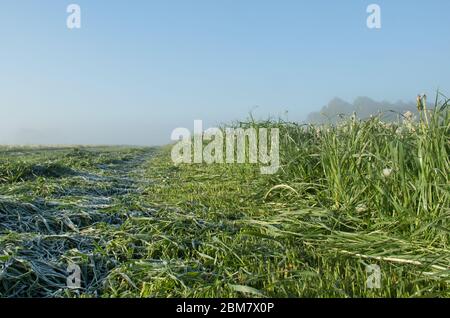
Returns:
<point x="358" y="193"/>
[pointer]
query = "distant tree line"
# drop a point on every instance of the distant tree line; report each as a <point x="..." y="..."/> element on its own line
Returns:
<point x="363" y="107"/>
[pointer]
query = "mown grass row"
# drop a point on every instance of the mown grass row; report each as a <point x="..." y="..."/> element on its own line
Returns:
<point x="50" y="220"/>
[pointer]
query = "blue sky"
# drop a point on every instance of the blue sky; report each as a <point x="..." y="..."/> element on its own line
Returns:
<point x="138" y="69"/>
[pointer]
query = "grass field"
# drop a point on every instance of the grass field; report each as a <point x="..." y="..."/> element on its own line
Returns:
<point x="347" y="196"/>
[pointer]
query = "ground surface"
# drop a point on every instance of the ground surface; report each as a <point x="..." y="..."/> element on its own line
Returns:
<point x="138" y="226"/>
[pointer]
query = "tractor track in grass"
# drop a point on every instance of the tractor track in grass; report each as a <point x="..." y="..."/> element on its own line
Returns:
<point x="39" y="239"/>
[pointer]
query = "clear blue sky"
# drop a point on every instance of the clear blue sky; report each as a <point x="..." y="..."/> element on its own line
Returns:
<point x="138" y="69"/>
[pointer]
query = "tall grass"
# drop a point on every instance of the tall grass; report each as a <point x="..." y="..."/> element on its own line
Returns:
<point x="380" y="191"/>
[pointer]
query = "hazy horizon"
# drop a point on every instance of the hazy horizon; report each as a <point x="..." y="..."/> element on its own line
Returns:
<point x="134" y="72"/>
<point x="31" y="136"/>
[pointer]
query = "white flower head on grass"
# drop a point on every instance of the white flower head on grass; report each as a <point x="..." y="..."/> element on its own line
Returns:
<point x="387" y="172"/>
<point x="409" y="116"/>
<point x="360" y="208"/>
<point x="408" y="121"/>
